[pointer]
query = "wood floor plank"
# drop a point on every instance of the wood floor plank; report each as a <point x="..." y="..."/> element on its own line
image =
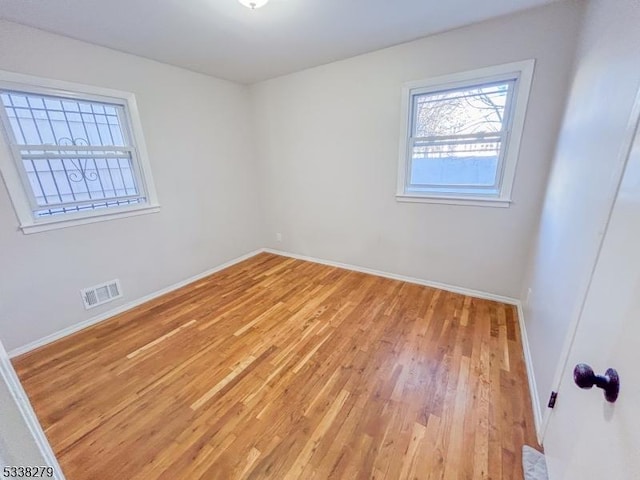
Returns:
<point x="280" y="368"/>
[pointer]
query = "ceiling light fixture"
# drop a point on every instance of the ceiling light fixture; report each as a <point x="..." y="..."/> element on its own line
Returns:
<point x="253" y="4"/>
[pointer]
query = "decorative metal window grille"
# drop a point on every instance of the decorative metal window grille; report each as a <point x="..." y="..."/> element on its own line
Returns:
<point x="76" y="154"/>
<point x="458" y="138"/>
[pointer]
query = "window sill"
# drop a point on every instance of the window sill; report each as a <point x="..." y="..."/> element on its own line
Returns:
<point x="469" y="201"/>
<point x="45" y="225"/>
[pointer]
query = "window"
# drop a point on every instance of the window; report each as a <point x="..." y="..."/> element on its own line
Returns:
<point x="461" y="136"/>
<point x="77" y="153"/>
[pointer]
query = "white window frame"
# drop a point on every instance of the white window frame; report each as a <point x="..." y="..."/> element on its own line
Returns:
<point x="10" y="157"/>
<point x="522" y="73"/>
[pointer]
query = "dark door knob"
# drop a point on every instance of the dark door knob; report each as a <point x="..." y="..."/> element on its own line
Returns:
<point x="584" y="377"/>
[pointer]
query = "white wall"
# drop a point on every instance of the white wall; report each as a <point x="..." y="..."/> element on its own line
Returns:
<point x="317" y="163"/>
<point x="17" y="446"/>
<point x="328" y="139"/>
<point x="586" y="171"/>
<point x="22" y="441"/>
<point x="196" y="129"/>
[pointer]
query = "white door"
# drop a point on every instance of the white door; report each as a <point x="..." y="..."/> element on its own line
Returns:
<point x="589" y="438"/>
<point x="22" y="441"/>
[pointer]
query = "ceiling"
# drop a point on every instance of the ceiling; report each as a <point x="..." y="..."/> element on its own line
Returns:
<point x="224" y="39"/>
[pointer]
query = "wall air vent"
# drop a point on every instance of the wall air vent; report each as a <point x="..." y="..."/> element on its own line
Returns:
<point x="99" y="294"/>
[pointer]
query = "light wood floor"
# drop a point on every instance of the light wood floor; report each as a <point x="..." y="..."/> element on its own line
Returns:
<point x="284" y="369"/>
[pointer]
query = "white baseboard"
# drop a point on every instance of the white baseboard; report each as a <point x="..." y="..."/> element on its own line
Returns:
<point x="128" y="306"/>
<point x="418" y="281"/>
<point x="21" y="400"/>
<point x="123" y="308"/>
<point x="537" y="412"/>
<point x="533" y="387"/>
